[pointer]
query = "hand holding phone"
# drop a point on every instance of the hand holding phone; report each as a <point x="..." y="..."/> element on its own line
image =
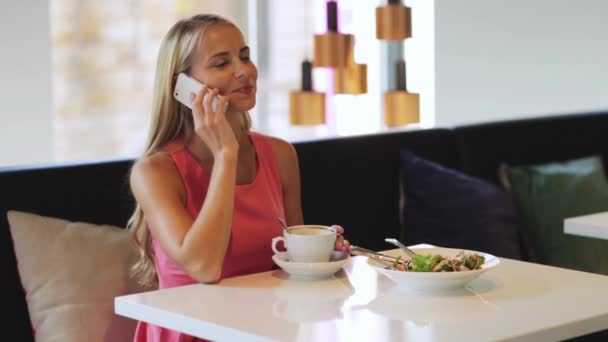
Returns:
<point x="213" y="128"/>
<point x="186" y="85"/>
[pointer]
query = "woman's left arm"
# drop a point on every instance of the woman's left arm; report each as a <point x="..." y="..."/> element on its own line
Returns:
<point x="289" y="170"/>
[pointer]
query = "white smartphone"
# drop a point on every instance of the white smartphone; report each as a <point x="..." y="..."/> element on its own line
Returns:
<point x="186" y="85"/>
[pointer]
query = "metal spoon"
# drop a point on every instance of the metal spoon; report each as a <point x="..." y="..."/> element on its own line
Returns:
<point x="400" y="245"/>
<point x="283" y="223"/>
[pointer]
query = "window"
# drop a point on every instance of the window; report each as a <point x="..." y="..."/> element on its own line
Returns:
<point x="104" y="58"/>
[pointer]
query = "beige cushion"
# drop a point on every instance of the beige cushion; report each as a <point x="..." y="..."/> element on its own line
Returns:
<point x="71" y="272"/>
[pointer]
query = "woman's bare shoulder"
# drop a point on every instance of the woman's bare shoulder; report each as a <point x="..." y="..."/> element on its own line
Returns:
<point x="157" y="162"/>
<point x="283" y="150"/>
<point x="287" y="160"/>
<point x="154" y="169"/>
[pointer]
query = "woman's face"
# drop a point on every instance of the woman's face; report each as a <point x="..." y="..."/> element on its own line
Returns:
<point x="222" y="62"/>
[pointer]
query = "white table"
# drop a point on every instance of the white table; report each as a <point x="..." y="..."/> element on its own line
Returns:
<point x="594" y="225"/>
<point x="517" y="301"/>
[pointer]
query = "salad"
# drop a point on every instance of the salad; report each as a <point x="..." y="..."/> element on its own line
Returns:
<point x="437" y="263"/>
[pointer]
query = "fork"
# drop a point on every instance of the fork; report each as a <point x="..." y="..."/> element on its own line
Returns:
<point x="400" y="245"/>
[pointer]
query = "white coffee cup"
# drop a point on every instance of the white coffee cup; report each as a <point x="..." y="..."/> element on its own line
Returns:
<point x="307" y="243"/>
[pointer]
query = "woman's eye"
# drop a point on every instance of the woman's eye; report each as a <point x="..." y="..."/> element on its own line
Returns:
<point x="221" y="65"/>
<point x="245" y="59"/>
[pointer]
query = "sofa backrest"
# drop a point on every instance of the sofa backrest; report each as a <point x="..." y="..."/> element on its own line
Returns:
<point x="530" y="141"/>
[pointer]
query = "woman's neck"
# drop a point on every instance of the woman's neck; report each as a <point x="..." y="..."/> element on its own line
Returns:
<point x="203" y="154"/>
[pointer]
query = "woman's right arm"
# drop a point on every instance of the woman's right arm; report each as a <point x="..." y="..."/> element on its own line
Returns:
<point x="197" y="245"/>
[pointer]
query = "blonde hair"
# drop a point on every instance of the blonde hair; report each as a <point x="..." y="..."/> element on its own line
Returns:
<point x="170" y="120"/>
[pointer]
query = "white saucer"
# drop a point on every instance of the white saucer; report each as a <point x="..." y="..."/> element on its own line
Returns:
<point x="311" y="270"/>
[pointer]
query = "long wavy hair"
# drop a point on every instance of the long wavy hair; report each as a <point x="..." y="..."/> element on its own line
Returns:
<point x="170" y="120"/>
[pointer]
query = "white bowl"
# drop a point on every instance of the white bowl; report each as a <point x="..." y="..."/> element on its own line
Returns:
<point x="434" y="281"/>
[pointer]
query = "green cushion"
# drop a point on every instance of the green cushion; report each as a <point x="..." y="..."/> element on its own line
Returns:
<point x="547" y="194"/>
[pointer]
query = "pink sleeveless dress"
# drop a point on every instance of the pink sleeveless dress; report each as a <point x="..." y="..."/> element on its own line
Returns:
<point x="257" y="207"/>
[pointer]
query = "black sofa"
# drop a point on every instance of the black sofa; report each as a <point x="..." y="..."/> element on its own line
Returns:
<point x="350" y="181"/>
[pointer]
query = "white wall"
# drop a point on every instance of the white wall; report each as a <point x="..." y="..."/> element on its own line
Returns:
<point x="498" y="59"/>
<point x="26" y="117"/>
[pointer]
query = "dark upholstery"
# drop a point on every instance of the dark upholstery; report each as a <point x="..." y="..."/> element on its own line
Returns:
<point x="540" y="140"/>
<point x="354" y="182"/>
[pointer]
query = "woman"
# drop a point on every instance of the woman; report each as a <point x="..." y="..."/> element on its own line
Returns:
<point x="209" y="191"/>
